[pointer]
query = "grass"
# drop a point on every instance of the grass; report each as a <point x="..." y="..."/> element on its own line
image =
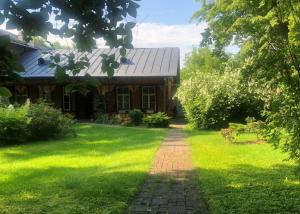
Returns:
<point x="97" y="172"/>
<point x="244" y="178"/>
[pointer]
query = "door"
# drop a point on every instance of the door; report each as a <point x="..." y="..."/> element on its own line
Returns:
<point x="84" y="106"/>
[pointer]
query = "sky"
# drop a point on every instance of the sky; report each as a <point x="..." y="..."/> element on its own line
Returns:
<point x="165" y="23"/>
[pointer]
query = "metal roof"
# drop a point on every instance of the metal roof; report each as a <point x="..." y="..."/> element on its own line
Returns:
<point x="141" y="62"/>
<point x="14" y="39"/>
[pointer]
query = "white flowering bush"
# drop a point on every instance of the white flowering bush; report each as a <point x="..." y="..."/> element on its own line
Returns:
<point x="209" y="99"/>
<point x="213" y="92"/>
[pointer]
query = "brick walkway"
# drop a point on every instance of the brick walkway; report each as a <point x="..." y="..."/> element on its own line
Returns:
<point x="172" y="184"/>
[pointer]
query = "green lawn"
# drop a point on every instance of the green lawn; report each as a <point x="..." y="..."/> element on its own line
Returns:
<point x="97" y="172"/>
<point x="244" y="178"/>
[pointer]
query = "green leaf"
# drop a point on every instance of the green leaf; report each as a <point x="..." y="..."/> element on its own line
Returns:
<point x="128" y="39"/>
<point x="4" y="92"/>
<point x="110" y="72"/>
<point x="2" y="18"/>
<point x="130" y="25"/>
<point x="123" y="51"/>
<point x="56" y="58"/>
<point x="4" y="41"/>
<point x="132" y="9"/>
<point x="115" y="65"/>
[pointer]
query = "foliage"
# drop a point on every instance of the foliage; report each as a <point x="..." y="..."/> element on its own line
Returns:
<point x="252" y="126"/>
<point x="201" y="60"/>
<point x="213" y="92"/>
<point x="66" y="73"/>
<point x="109" y="119"/>
<point x="157" y="120"/>
<point x="136" y="116"/>
<point x="14" y="124"/>
<point x="80" y="20"/>
<point x="268" y="34"/>
<point x="247" y="178"/>
<point x="48" y="122"/>
<point x="4" y="101"/>
<point x="9" y="65"/>
<point x="227" y="133"/>
<point x="95" y="168"/>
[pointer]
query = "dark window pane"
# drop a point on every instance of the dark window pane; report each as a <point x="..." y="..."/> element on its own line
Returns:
<point x="152" y="98"/>
<point x="151" y="90"/>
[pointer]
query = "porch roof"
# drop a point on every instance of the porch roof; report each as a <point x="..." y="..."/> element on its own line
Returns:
<point x="141" y="62"/>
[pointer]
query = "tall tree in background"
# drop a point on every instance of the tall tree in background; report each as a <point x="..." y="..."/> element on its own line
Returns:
<point x="80" y="20"/>
<point x="268" y="33"/>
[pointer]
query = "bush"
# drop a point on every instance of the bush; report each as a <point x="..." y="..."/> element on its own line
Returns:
<point x="48" y="122"/>
<point x="14" y="124"/>
<point x="109" y="120"/>
<point x="235" y="129"/>
<point x="136" y="117"/>
<point x="227" y="133"/>
<point x="213" y="91"/>
<point x="158" y="120"/>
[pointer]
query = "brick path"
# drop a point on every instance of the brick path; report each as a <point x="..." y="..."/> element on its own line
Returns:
<point x="172" y="184"/>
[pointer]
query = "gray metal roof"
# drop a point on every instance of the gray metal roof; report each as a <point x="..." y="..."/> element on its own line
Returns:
<point x="14" y="39"/>
<point x="141" y="62"/>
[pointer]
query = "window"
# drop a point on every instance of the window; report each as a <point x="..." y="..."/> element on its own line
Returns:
<point x="21" y="94"/>
<point x="66" y="101"/>
<point x="123" y="98"/>
<point x="149" y="98"/>
<point x="45" y="92"/>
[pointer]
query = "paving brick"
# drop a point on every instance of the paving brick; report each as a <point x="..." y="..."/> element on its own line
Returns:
<point x="171" y="186"/>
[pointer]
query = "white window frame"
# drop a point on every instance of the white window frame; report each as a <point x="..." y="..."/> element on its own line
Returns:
<point x="147" y="108"/>
<point x="65" y="95"/>
<point x="123" y="95"/>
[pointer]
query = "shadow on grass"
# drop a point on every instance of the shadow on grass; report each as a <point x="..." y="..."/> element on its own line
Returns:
<point x="86" y="180"/>
<point x="69" y="190"/>
<point x="99" y="190"/>
<point x="249" y="189"/>
<point x="91" y="140"/>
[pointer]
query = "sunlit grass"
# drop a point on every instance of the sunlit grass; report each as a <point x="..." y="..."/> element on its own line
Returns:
<point x="97" y="172"/>
<point x="244" y="178"/>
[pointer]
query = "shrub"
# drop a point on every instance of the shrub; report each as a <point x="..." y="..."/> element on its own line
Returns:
<point x="158" y="120"/>
<point x="213" y="92"/>
<point x="14" y="124"/>
<point x="48" y="122"/>
<point x="107" y="119"/>
<point x="103" y="119"/>
<point x="116" y="119"/>
<point x="235" y="129"/>
<point x="136" y="117"/>
<point x="228" y="135"/>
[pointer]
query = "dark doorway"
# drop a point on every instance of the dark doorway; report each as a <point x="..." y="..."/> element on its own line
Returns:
<point x="84" y="106"/>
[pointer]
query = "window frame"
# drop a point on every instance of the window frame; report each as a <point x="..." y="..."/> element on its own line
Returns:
<point x="21" y="94"/>
<point x="64" y="101"/>
<point x="147" y="108"/>
<point x="123" y="95"/>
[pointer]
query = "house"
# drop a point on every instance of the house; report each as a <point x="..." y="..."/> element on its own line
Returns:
<point x="146" y="80"/>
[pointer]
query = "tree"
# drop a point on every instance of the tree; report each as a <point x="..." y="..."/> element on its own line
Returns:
<point x="80" y="20"/>
<point x="268" y="33"/>
<point x="213" y="92"/>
